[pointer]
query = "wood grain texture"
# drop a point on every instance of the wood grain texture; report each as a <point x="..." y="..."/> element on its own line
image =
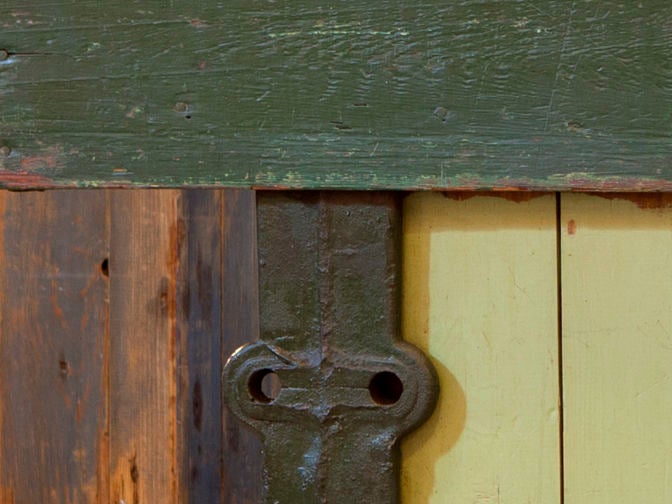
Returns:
<point x="243" y="462"/>
<point x="117" y="309"/>
<point x="53" y="348"/>
<point x="480" y="298"/>
<point x="144" y="252"/>
<point x="199" y="340"/>
<point x="617" y="345"/>
<point x="217" y="313"/>
<point x="548" y="94"/>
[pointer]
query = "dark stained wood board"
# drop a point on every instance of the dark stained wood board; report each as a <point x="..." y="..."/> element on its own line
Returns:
<point x="241" y="478"/>
<point x="54" y="411"/>
<point x="503" y="94"/>
<point x="115" y="317"/>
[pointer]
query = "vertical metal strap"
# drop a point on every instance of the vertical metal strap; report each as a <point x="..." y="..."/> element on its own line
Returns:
<point x="348" y="388"/>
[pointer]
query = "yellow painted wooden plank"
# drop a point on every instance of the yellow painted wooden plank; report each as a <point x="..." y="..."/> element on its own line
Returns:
<point x="617" y="347"/>
<point x="480" y="296"/>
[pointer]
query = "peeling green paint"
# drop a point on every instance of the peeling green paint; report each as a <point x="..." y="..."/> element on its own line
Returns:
<point x="485" y="95"/>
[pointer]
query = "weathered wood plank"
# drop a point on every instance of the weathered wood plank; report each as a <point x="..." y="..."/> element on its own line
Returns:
<point x="243" y="462"/>
<point x="144" y="260"/>
<point x="199" y="347"/>
<point x="544" y="95"/>
<point x="183" y="294"/>
<point x="53" y="348"/>
<point x="217" y="312"/>
<point x="480" y="298"/>
<point x="617" y="346"/>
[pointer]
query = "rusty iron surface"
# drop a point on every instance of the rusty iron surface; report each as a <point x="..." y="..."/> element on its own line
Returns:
<point x="330" y="387"/>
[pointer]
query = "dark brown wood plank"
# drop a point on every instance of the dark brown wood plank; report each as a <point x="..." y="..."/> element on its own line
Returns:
<point x="200" y="355"/>
<point x="217" y="311"/>
<point x="53" y="348"/>
<point x="243" y="462"/>
<point x="144" y="253"/>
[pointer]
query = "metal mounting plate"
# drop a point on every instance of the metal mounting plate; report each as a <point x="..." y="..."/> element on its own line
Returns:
<point x="329" y="275"/>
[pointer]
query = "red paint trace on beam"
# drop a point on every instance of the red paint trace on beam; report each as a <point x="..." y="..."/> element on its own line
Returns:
<point x="517" y="196"/>
<point x="24" y="180"/>
<point x="619" y="185"/>
<point x="644" y="200"/>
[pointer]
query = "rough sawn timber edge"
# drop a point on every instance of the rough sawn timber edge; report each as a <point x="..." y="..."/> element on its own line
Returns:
<point x="546" y="95"/>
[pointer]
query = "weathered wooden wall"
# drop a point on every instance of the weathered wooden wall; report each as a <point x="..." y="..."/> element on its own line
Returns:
<point x="551" y="94"/>
<point x="547" y="317"/>
<point x="117" y="309"/>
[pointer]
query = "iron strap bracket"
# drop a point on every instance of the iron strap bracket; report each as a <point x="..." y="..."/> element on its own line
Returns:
<point x="347" y="386"/>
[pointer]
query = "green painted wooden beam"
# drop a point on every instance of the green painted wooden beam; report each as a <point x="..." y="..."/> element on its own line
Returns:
<point x="471" y="94"/>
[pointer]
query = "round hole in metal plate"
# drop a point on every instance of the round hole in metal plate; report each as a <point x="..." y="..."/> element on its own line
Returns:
<point x="386" y="388"/>
<point x="264" y="386"/>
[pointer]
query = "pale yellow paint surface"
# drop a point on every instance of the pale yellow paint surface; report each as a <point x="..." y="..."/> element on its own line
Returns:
<point x="617" y="345"/>
<point x="480" y="297"/>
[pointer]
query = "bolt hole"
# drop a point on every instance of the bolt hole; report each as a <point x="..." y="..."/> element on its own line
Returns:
<point x="187" y="117"/>
<point x="63" y="365"/>
<point x="105" y="267"/>
<point x="264" y="386"/>
<point x="385" y="388"/>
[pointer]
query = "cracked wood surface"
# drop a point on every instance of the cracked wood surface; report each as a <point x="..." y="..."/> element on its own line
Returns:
<point x="551" y="94"/>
